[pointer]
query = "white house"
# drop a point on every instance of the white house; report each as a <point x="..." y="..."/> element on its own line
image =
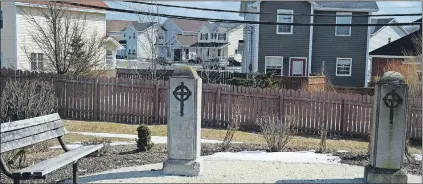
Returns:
<point x="179" y="35"/>
<point x="219" y="40"/>
<point x="141" y="40"/>
<point x="382" y="35"/>
<point x="15" y="36"/>
<point x="189" y="39"/>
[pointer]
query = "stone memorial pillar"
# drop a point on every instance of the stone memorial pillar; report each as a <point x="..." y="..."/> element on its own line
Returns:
<point x="389" y="128"/>
<point x="184" y="123"/>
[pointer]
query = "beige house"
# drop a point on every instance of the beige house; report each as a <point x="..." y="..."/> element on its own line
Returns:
<point x="18" y="51"/>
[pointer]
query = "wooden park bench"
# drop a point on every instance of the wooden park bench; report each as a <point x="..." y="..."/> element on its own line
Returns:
<point x="19" y="134"/>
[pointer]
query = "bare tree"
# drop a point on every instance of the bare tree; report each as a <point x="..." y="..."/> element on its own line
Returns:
<point x="149" y="39"/>
<point x="277" y="132"/>
<point x="66" y="42"/>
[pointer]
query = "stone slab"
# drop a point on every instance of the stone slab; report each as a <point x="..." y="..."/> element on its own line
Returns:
<point x="183" y="167"/>
<point x="377" y="175"/>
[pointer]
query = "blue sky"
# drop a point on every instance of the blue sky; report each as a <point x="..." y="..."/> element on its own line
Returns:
<point x="385" y="7"/>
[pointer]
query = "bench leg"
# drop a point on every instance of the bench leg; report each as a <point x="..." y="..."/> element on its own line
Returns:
<point x="15" y="181"/>
<point x="75" y="172"/>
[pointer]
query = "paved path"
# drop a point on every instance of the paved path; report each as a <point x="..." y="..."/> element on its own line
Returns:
<point x="247" y="167"/>
<point x="230" y="171"/>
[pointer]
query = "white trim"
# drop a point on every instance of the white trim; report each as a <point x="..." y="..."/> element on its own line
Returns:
<point x="345" y="9"/>
<point x="310" y="43"/>
<point x="289" y="64"/>
<point x="391" y="57"/>
<point x="336" y="68"/>
<point x="405" y="32"/>
<point x="256" y="35"/>
<point x="336" y="20"/>
<point x="265" y="65"/>
<point x="367" y="72"/>
<point x="112" y="40"/>
<point x="292" y="21"/>
<point x="90" y="10"/>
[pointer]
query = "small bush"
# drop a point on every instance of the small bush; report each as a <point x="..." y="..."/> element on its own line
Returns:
<point x="233" y="126"/>
<point x="276" y="132"/>
<point x="144" y="138"/>
<point x="323" y="136"/>
<point x="104" y="150"/>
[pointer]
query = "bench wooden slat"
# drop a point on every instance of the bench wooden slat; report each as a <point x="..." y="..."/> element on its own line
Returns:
<point x="29" y="131"/>
<point x="11" y="145"/>
<point x="47" y="166"/>
<point x="5" y="127"/>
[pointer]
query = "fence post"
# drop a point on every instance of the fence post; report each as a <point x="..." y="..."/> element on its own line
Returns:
<point x="343" y="117"/>
<point x="281" y="107"/>
<point x="216" y="107"/>
<point x="156" y="102"/>
<point x="96" y="97"/>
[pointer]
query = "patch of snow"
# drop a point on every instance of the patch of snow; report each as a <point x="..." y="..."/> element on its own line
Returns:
<point x="305" y="157"/>
<point x="78" y="144"/>
<point x="154" y="139"/>
<point x="418" y="157"/>
<point x="342" y="151"/>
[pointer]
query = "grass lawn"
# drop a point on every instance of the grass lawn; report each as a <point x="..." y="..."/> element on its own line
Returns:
<point x="206" y="133"/>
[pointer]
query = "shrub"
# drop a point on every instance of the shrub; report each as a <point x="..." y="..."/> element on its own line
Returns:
<point x="323" y="136"/>
<point x="255" y="80"/>
<point x="26" y="99"/>
<point x="276" y="132"/>
<point x="104" y="150"/>
<point x="144" y="138"/>
<point x="233" y="126"/>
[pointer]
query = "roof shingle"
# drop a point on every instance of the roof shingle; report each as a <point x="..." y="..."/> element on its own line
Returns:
<point x="188" y="25"/>
<point x="116" y="25"/>
<point x="348" y="4"/>
<point x="93" y="3"/>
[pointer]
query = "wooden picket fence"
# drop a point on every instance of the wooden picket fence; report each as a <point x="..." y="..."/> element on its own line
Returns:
<point x="135" y="101"/>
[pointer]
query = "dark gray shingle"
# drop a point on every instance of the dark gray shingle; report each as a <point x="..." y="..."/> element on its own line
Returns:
<point x="348" y="4"/>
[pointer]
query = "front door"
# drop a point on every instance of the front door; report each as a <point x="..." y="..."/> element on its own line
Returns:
<point x="177" y="54"/>
<point x="298" y="66"/>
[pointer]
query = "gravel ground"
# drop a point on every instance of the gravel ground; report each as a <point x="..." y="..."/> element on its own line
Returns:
<point x="126" y="156"/>
<point x="219" y="171"/>
<point x="362" y="159"/>
<point x="118" y="157"/>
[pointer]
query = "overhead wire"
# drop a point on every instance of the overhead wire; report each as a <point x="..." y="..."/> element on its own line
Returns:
<point x="271" y="13"/>
<point x="224" y="20"/>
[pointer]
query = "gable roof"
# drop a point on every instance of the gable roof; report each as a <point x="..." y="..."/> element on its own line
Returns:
<point x="374" y="29"/>
<point x="413" y="28"/>
<point x="93" y="3"/>
<point x="188" y="25"/>
<point x="116" y="25"/>
<point x="214" y="26"/>
<point x="186" y="39"/>
<point x="141" y="26"/>
<point x="397" y="47"/>
<point x="367" y="5"/>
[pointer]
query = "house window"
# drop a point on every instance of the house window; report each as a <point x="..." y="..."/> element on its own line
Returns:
<point x="161" y="36"/>
<point x="222" y="36"/>
<point x="343" y="30"/>
<point x="37" y="62"/>
<point x="285" y="29"/>
<point x="236" y="51"/>
<point x="218" y="52"/>
<point x="124" y="35"/>
<point x="343" y="66"/>
<point x="274" y="64"/>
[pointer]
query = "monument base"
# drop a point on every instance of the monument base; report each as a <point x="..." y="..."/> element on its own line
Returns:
<point x="183" y="167"/>
<point x="378" y="175"/>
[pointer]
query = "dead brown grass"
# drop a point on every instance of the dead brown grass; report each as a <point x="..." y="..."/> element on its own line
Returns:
<point x="240" y="136"/>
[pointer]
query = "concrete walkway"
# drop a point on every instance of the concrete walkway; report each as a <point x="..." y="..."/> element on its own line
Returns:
<point x="247" y="167"/>
<point x="239" y="172"/>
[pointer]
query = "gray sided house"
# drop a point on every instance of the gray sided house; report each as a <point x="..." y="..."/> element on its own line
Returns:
<point x="338" y="51"/>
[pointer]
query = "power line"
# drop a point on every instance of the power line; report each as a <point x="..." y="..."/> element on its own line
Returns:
<point x="225" y="20"/>
<point x="261" y="13"/>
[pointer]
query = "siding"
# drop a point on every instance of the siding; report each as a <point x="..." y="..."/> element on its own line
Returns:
<point x="8" y="36"/>
<point x="381" y="38"/>
<point x="327" y="47"/>
<point x="290" y="45"/>
<point x="95" y="23"/>
<point x="249" y="41"/>
<point x="234" y="36"/>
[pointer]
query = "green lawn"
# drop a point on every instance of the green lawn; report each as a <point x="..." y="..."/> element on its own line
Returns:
<point x="206" y="133"/>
